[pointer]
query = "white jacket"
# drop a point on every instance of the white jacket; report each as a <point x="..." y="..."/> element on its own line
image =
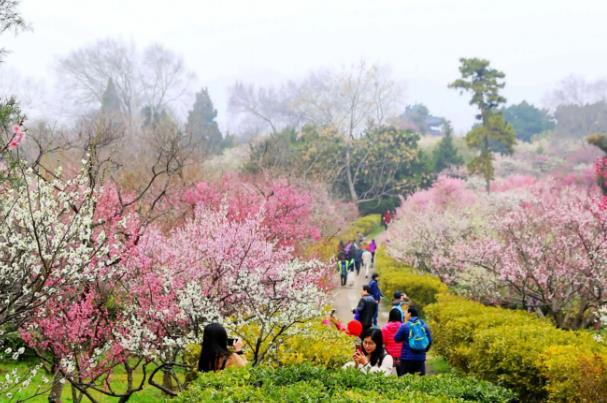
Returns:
<point x="385" y="367"/>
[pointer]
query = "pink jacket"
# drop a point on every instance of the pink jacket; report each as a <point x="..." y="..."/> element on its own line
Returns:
<point x="388" y="332"/>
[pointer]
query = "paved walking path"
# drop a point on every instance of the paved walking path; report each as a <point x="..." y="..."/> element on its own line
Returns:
<point x="346" y="298"/>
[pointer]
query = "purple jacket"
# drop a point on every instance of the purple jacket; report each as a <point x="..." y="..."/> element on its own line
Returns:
<point x="372" y="247"/>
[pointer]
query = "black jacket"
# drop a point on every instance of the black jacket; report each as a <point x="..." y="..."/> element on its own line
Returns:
<point x="366" y="309"/>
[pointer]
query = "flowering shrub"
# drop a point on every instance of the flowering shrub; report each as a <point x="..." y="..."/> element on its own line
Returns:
<point x="286" y="211"/>
<point x="540" y="247"/>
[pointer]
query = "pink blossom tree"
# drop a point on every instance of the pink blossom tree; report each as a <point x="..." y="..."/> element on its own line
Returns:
<point x="533" y="244"/>
<point x="551" y="252"/>
<point x="287" y="210"/>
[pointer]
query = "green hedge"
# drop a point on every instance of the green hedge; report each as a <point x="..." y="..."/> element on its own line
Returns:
<point x="307" y="383"/>
<point x="394" y="276"/>
<point x="512" y="348"/>
<point x="519" y="350"/>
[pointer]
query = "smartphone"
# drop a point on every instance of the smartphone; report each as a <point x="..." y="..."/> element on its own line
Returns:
<point x="359" y="348"/>
<point x="231" y="341"/>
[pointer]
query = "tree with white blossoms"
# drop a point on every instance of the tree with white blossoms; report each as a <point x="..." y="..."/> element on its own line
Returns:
<point x="213" y="268"/>
<point x="53" y="253"/>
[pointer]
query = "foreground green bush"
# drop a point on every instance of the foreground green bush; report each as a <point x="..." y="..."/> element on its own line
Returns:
<point x="307" y="383"/>
<point x="518" y="350"/>
<point x="421" y="288"/>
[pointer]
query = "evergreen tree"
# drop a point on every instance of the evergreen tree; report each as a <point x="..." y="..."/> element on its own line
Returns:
<point x="201" y="124"/>
<point x="445" y="154"/>
<point x="492" y="134"/>
<point x="110" y="104"/>
<point x="527" y="120"/>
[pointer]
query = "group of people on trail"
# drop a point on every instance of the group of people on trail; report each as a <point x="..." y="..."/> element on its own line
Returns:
<point x="400" y="346"/>
<point x="352" y="257"/>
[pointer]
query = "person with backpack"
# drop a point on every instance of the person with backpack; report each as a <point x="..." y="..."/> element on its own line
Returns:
<point x="375" y="292"/>
<point x="343" y="267"/>
<point x="366" y="308"/>
<point x="417" y="339"/>
<point x="400" y="302"/>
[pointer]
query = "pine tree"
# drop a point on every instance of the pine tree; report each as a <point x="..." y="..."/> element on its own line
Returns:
<point x="110" y="104"/>
<point x="445" y="154"/>
<point x="201" y="124"/>
<point x="492" y="134"/>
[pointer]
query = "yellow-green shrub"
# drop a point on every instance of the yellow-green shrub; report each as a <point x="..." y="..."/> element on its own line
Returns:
<point x="310" y="342"/>
<point x="454" y="321"/>
<point x="518" y="350"/>
<point x="509" y="355"/>
<point x="574" y="373"/>
<point x="316" y="344"/>
<point x="395" y="276"/>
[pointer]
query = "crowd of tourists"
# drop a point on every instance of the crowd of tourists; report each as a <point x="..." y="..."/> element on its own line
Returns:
<point x="399" y="347"/>
<point x="354" y="256"/>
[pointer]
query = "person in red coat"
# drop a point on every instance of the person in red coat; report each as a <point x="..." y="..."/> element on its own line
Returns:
<point x="387" y="218"/>
<point x="388" y="331"/>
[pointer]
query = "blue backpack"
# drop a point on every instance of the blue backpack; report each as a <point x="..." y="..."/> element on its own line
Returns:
<point x="418" y="338"/>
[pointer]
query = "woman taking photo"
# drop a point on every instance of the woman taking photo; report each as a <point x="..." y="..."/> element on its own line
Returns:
<point x="372" y="356"/>
<point x="215" y="355"/>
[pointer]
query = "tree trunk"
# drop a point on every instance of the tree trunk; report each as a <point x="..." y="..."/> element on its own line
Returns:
<point x="351" y="188"/>
<point x="129" y="376"/>
<point x="57" y="388"/>
<point x="76" y="395"/>
<point x="167" y="381"/>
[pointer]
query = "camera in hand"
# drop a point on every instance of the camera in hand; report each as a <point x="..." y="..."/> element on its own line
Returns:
<point x="231" y="341"/>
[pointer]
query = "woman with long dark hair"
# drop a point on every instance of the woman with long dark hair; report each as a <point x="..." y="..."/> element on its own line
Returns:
<point x="215" y="355"/>
<point x="371" y="356"/>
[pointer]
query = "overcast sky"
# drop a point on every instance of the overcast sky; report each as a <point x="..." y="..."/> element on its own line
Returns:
<point x="535" y="42"/>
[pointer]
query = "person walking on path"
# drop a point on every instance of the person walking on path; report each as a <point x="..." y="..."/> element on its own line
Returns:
<point x="366" y="308"/>
<point x="388" y="331"/>
<point x="371" y="356"/>
<point x="341" y="248"/>
<point x="372" y="249"/>
<point x="376" y="293"/>
<point x="358" y="259"/>
<point x="387" y="218"/>
<point x="417" y="339"/>
<point x="343" y="267"/>
<point x="401" y="302"/>
<point x="367" y="262"/>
